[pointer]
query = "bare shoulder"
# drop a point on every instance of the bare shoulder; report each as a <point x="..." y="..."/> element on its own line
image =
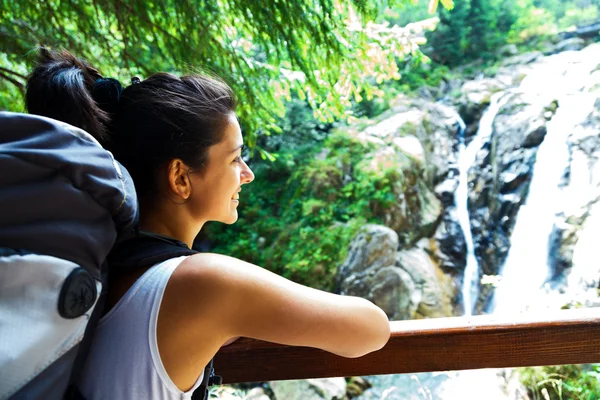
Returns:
<point x="243" y="299"/>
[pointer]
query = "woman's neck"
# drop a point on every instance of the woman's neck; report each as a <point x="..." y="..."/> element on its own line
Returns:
<point x="173" y="223"/>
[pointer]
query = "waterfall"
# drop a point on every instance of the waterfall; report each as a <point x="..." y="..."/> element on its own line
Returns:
<point x="526" y="270"/>
<point x="466" y="158"/>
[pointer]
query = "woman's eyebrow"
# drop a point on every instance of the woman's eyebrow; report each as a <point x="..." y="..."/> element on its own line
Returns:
<point x="241" y="146"/>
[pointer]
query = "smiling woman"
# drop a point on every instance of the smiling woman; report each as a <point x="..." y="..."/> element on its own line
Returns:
<point x="180" y="140"/>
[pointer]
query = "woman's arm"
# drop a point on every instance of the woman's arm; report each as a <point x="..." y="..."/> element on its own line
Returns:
<point x="217" y="298"/>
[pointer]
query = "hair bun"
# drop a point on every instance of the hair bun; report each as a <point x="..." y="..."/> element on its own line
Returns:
<point x="106" y="92"/>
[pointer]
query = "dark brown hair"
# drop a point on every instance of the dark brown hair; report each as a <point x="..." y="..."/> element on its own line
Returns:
<point x="145" y="125"/>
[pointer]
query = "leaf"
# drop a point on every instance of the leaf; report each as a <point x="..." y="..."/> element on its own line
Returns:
<point x="433" y="5"/>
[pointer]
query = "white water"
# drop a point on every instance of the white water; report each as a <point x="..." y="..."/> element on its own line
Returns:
<point x="466" y="158"/>
<point x="526" y="268"/>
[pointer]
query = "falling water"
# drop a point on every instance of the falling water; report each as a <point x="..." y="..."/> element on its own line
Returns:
<point x="526" y="268"/>
<point x="466" y="158"/>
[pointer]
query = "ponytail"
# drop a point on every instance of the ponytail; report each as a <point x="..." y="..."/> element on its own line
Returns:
<point x="62" y="87"/>
<point x="144" y="125"/>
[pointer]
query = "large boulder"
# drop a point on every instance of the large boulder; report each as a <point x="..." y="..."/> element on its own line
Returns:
<point x="433" y="295"/>
<point x="404" y="284"/>
<point x="373" y="248"/>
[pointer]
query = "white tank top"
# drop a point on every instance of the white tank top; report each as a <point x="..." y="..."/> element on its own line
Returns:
<point x="124" y="362"/>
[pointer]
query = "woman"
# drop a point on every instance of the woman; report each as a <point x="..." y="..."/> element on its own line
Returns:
<point x="181" y="141"/>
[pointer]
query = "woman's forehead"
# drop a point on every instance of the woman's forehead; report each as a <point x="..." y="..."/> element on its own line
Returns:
<point x="232" y="138"/>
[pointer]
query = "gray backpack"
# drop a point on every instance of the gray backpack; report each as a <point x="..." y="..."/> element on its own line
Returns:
<point x="64" y="202"/>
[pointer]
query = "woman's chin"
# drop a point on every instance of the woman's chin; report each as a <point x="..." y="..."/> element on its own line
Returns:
<point x="231" y="218"/>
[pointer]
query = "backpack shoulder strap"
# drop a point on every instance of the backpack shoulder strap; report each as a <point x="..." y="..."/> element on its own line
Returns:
<point x="144" y="250"/>
<point x="147" y="249"/>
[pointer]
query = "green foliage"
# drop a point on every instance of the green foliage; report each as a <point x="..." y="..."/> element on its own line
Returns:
<point x="407" y="13"/>
<point x="449" y="40"/>
<point x="473" y="29"/>
<point x="421" y="72"/>
<point x="377" y="105"/>
<point x="569" y="13"/>
<point x="11" y="88"/>
<point x="540" y="20"/>
<point x="565" y="382"/>
<point x="575" y="16"/>
<point x="266" y="50"/>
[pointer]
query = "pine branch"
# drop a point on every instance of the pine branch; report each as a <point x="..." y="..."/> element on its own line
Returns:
<point x="8" y="71"/>
<point x="15" y="82"/>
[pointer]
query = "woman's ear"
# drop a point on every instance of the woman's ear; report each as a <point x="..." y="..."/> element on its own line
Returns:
<point x="179" y="179"/>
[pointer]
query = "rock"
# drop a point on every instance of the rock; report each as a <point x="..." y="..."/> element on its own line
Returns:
<point x="374" y="247"/>
<point x="256" y="393"/>
<point x="394" y="291"/>
<point x="536" y="134"/>
<point x="410" y="146"/>
<point x="404" y="284"/>
<point x="356" y="386"/>
<point x="429" y="217"/>
<point x="572" y="44"/>
<point x="330" y="388"/>
<point x="310" y="389"/>
<point x="445" y="191"/>
<point x="514" y="176"/>
<point x="448" y="246"/>
<point x="432" y="124"/>
<point x="589" y="31"/>
<point x="418" y="143"/>
<point x="429" y="297"/>
<point x="522" y="59"/>
<point x="561" y="246"/>
<point x="508" y="50"/>
<point x="475" y="99"/>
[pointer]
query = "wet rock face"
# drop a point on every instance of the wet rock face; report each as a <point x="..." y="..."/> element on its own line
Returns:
<point x="499" y="181"/>
<point x="405" y="284"/>
<point x="448" y="246"/>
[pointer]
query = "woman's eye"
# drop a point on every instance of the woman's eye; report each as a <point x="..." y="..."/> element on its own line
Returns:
<point x="238" y="159"/>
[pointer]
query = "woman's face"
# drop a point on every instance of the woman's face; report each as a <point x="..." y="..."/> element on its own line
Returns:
<point x="215" y="191"/>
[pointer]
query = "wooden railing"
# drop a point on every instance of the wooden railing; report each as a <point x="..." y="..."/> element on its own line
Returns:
<point x="442" y="344"/>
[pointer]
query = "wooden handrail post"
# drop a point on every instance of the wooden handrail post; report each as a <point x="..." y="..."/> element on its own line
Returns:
<point x="442" y="344"/>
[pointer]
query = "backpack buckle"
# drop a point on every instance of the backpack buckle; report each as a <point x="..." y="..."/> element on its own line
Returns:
<point x="214" y="379"/>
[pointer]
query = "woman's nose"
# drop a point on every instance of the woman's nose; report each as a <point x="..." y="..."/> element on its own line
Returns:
<point x="247" y="174"/>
